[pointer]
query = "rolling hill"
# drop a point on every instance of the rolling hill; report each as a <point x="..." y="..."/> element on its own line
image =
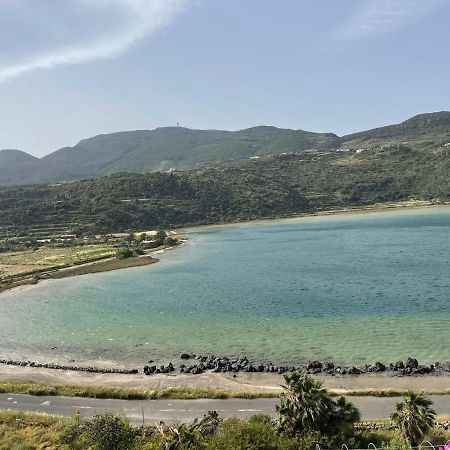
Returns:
<point x="176" y="148"/>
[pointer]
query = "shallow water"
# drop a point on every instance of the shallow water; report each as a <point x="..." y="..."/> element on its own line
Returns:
<point x="350" y="288"/>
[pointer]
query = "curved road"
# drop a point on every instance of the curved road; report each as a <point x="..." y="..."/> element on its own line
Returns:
<point x="170" y="411"/>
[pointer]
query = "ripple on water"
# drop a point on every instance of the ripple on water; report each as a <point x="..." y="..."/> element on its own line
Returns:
<point x="350" y="289"/>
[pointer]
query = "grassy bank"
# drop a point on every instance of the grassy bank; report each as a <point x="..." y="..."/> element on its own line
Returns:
<point x="175" y="393"/>
<point x="32" y="431"/>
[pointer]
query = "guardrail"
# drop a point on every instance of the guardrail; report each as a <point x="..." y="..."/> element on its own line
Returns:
<point x="372" y="446"/>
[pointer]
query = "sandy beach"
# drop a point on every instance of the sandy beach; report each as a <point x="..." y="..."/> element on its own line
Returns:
<point x="242" y="382"/>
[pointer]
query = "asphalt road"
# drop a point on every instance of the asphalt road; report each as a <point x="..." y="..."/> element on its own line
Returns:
<point x="170" y="411"/>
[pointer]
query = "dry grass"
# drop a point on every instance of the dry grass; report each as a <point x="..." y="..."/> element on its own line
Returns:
<point x="174" y="393"/>
<point x="179" y="392"/>
<point x="33" y="431"/>
<point x="384" y="392"/>
<point x="15" y="263"/>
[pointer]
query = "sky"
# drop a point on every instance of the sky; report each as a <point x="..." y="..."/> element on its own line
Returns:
<point x="72" y="69"/>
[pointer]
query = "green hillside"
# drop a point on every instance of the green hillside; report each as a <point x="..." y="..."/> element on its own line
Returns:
<point x="177" y="148"/>
<point x="268" y="187"/>
<point x="423" y="130"/>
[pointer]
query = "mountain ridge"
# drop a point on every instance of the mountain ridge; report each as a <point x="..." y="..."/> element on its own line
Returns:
<point x="178" y="148"/>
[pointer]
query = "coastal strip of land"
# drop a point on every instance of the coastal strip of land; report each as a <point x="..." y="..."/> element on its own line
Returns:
<point x="98" y="266"/>
<point x="386" y="207"/>
<point x="31" y="380"/>
<point x="103" y="266"/>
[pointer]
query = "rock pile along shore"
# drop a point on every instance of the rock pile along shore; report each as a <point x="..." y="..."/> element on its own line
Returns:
<point x="242" y="364"/>
<point x="197" y="364"/>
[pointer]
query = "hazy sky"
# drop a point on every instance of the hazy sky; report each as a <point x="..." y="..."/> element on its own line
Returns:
<point x="70" y="69"/>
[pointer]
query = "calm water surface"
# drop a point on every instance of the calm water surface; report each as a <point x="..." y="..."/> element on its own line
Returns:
<point x="355" y="288"/>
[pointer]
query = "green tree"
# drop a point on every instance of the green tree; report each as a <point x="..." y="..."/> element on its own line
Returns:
<point x="306" y="407"/>
<point x="414" y="417"/>
<point x="123" y="253"/>
<point x="169" y="240"/>
<point x="160" y="236"/>
<point x="344" y="416"/>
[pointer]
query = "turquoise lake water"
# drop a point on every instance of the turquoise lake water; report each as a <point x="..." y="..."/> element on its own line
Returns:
<point x="349" y="288"/>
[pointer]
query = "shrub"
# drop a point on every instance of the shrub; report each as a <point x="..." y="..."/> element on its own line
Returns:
<point x="124" y="253"/>
<point x="169" y="240"/>
<point x="110" y="432"/>
<point x="257" y="433"/>
<point x="187" y="435"/>
<point x="397" y="442"/>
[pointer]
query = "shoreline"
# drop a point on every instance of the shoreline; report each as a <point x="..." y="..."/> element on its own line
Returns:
<point x="149" y="259"/>
<point x="92" y="267"/>
<point x="345" y="211"/>
<point x="105" y="265"/>
<point x="191" y="364"/>
<point x="110" y="264"/>
<point x="258" y="384"/>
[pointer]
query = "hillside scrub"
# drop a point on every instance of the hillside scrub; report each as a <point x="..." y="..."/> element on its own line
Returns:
<point x="270" y="187"/>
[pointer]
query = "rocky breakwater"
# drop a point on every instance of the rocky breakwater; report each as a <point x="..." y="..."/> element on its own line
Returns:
<point x="11" y="362"/>
<point x="197" y="364"/>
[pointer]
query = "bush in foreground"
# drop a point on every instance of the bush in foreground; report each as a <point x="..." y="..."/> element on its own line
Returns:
<point x="111" y="432"/>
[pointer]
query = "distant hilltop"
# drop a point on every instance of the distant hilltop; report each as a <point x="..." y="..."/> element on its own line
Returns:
<point x="178" y="148"/>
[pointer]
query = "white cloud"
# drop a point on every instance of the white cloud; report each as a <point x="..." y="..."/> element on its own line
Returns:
<point x="375" y="17"/>
<point x="131" y="22"/>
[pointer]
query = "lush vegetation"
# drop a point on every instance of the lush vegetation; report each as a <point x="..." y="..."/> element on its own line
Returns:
<point x="307" y="416"/>
<point x="269" y="187"/>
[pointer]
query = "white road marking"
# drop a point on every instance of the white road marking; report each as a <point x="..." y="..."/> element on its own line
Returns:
<point x="249" y="410"/>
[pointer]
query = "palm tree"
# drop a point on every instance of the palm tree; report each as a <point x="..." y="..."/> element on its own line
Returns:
<point x="345" y="415"/>
<point x="414" y="417"/>
<point x="304" y="406"/>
